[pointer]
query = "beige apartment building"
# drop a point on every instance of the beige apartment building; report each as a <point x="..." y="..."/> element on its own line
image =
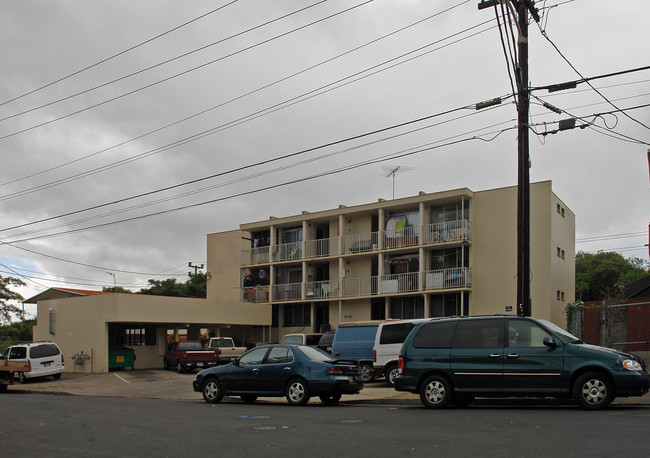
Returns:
<point x="430" y="255"/>
<point x="438" y="254"/>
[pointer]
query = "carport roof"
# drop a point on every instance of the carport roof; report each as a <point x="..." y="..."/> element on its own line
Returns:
<point x="61" y="293"/>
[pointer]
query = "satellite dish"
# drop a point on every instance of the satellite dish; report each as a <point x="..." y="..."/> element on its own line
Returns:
<point x="392" y="170"/>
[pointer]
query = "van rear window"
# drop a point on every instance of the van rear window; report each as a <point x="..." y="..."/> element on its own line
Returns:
<point x="395" y="333"/>
<point x="435" y="335"/>
<point x="43" y="351"/>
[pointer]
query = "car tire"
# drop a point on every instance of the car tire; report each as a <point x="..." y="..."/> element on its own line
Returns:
<point x="367" y="373"/>
<point x="330" y="399"/>
<point x="212" y="391"/>
<point x="248" y="398"/>
<point x="436" y="392"/>
<point x="165" y="364"/>
<point x="21" y="377"/>
<point x="179" y="367"/>
<point x="390" y="373"/>
<point x="593" y="391"/>
<point x="297" y="392"/>
<point x="57" y="376"/>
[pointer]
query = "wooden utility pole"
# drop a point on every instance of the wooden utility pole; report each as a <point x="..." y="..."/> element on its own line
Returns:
<point x="523" y="7"/>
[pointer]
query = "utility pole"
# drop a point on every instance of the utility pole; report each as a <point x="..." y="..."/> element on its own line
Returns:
<point x="195" y="267"/>
<point x="523" y="7"/>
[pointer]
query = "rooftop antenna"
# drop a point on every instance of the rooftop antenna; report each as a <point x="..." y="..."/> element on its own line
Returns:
<point x="392" y="170"/>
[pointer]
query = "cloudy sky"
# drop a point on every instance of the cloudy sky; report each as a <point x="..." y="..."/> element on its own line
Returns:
<point x="131" y="130"/>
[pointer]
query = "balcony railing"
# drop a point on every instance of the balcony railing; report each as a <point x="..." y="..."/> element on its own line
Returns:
<point x="400" y="283"/>
<point x="321" y="248"/>
<point x="257" y="294"/>
<point x="321" y="289"/>
<point x="360" y="243"/>
<point x="454" y="231"/>
<point x="357" y="287"/>
<point x="287" y="292"/>
<point x="430" y="234"/>
<point x="460" y="277"/>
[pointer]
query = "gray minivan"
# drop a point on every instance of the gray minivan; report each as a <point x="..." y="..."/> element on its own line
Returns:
<point x="451" y="360"/>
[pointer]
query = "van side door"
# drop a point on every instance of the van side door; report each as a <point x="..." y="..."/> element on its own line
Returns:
<point x="529" y="365"/>
<point x="477" y="355"/>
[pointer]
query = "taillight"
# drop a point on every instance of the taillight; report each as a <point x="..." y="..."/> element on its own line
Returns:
<point x="374" y="355"/>
<point x="400" y="365"/>
<point x="62" y="358"/>
<point x="335" y="371"/>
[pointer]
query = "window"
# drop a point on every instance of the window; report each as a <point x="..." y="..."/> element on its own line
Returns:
<point x="558" y="294"/>
<point x="395" y="333"/>
<point x="406" y="308"/>
<point x="479" y="334"/>
<point x="279" y="355"/>
<point x="190" y="346"/>
<point x="43" y="351"/>
<point x="446" y="305"/>
<point x="297" y="315"/>
<point x="253" y="357"/>
<point x="139" y="336"/>
<point x="377" y="310"/>
<point x="558" y="252"/>
<point x="18" y="353"/>
<point x="524" y="334"/>
<point x="435" y="335"/>
<point x="450" y="212"/>
<point x="563" y="254"/>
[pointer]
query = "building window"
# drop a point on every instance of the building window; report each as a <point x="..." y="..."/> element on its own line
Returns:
<point x="562" y="295"/>
<point x="558" y="252"/>
<point x="450" y="212"/>
<point x="446" y="305"/>
<point x="407" y="307"/>
<point x="558" y="295"/>
<point x="377" y="310"/>
<point x="558" y="208"/>
<point x="563" y="254"/>
<point x="297" y="315"/>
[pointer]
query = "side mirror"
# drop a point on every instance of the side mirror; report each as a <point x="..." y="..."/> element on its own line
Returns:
<point x="235" y="362"/>
<point x="550" y="342"/>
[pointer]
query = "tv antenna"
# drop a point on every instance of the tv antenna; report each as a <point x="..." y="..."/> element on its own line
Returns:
<point x="392" y="170"/>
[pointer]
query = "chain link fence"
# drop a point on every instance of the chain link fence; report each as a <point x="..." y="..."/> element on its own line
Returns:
<point x="624" y="327"/>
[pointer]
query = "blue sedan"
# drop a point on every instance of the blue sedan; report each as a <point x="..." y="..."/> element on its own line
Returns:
<point x="294" y="371"/>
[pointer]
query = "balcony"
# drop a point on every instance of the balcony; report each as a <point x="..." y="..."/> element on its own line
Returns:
<point x="256" y="294"/>
<point x="460" y="277"/>
<point x="428" y="235"/>
<point x="316" y="290"/>
<point x="287" y="292"/>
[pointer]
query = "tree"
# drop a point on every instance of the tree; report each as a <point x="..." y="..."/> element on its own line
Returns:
<point x="194" y="287"/>
<point x="7" y="309"/>
<point x="605" y="274"/>
<point x="116" y="289"/>
<point x="18" y="331"/>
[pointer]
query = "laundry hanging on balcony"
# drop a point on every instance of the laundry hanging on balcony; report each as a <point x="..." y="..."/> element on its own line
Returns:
<point x="395" y="226"/>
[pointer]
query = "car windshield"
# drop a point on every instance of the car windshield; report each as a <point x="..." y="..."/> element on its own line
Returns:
<point x="292" y="340"/>
<point x="558" y="330"/>
<point x="315" y="354"/>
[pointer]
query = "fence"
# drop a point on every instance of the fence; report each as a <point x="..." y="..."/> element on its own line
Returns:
<point x="625" y="327"/>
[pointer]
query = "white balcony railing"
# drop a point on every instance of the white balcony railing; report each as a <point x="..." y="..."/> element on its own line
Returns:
<point x="288" y="252"/>
<point x="405" y="237"/>
<point x="321" y="248"/>
<point x="321" y="289"/>
<point x="460" y="277"/>
<point x="360" y="243"/>
<point x="454" y="231"/>
<point x="287" y="292"/>
<point x="400" y="283"/>
<point x="358" y="287"/>
<point x="257" y="294"/>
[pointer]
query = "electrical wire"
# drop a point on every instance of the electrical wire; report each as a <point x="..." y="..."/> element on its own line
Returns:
<point x="238" y="97"/>
<point x="77" y="72"/>
<point x="357" y="76"/>
<point x="185" y="72"/>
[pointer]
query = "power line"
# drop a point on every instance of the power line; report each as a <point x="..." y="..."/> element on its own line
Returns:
<point x="185" y="72"/>
<point x="241" y="96"/>
<point x="284" y="104"/>
<point x="116" y="55"/>
<point x="86" y="91"/>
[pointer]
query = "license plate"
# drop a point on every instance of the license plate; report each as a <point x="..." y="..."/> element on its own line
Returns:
<point x="47" y="364"/>
<point x="351" y="379"/>
<point x="199" y="364"/>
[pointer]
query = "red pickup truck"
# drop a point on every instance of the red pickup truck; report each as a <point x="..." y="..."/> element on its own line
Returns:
<point x="188" y="355"/>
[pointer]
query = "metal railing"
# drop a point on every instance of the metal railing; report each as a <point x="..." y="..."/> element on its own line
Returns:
<point x="408" y="236"/>
<point x="287" y="292"/>
<point x="358" y="287"/>
<point x="288" y="252"/>
<point x="460" y="277"/>
<point x="257" y="294"/>
<point x="315" y="290"/>
<point x="360" y="243"/>
<point x="321" y="248"/>
<point x="453" y="231"/>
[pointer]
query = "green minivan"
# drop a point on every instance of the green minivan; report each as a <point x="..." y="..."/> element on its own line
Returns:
<point x="452" y="360"/>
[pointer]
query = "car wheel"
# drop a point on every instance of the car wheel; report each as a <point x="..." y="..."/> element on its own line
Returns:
<point x="179" y="367"/>
<point x="391" y="372"/>
<point x="248" y="398"/>
<point x="367" y="373"/>
<point x="57" y="376"/>
<point x="435" y="392"/>
<point x="297" y="392"/>
<point x="165" y="364"/>
<point x="21" y="377"/>
<point x="330" y="399"/>
<point x="593" y="391"/>
<point x="212" y="391"/>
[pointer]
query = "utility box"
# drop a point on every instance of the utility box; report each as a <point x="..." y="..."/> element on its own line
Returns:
<point x="120" y="357"/>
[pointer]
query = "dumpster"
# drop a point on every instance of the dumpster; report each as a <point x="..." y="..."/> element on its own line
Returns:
<point x="120" y="357"/>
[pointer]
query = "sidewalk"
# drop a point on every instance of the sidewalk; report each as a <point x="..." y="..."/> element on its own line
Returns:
<point x="161" y="384"/>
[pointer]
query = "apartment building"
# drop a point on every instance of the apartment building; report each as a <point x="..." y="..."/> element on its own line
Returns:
<point x="430" y="255"/>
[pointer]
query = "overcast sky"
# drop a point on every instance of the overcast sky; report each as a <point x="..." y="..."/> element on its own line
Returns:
<point x="105" y="104"/>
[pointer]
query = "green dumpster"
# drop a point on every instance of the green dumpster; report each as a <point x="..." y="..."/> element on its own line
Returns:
<point x="120" y="357"/>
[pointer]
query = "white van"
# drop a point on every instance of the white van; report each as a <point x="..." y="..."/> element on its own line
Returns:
<point x="44" y="357"/>
<point x="388" y="342"/>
